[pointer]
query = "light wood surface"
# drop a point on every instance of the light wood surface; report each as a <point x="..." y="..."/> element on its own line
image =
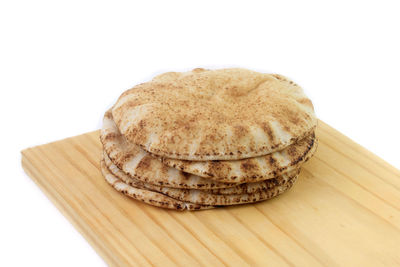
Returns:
<point x="343" y="211"/>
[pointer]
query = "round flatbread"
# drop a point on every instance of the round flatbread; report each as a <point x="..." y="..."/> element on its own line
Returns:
<point x="225" y="114"/>
<point x="147" y="196"/>
<point x="140" y="164"/>
<point x="257" y="187"/>
<point x="251" y="169"/>
<point x="205" y="197"/>
<point x="246" y="188"/>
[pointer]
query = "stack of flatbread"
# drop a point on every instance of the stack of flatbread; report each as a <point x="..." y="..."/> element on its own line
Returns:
<point x="208" y="138"/>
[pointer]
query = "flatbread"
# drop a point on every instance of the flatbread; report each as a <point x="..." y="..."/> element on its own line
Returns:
<point x="205" y="197"/>
<point x="246" y="188"/>
<point x="256" y="187"/>
<point x="226" y="114"/>
<point x="251" y="169"/>
<point x="140" y="164"/>
<point x="147" y="196"/>
<point x="201" y="197"/>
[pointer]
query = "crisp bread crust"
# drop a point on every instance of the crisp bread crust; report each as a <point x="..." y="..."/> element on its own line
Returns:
<point x="226" y="114"/>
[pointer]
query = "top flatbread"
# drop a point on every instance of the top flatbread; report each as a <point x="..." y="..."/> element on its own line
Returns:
<point x="225" y="114"/>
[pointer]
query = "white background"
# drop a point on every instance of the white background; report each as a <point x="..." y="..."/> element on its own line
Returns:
<point x="63" y="63"/>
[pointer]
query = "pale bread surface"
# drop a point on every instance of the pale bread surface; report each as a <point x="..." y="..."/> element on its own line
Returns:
<point x="140" y="164"/>
<point x="147" y="196"/>
<point x="225" y="114"/>
<point x="251" y="169"/>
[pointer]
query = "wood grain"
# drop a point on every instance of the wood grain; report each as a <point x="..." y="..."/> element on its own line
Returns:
<point x="343" y="211"/>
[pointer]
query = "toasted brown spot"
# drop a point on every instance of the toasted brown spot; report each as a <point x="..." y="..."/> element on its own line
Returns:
<point x="110" y="136"/>
<point x="286" y="128"/>
<point x="267" y="129"/>
<point x="216" y="168"/>
<point x="271" y="160"/>
<point x="144" y="163"/>
<point x="209" y="174"/>
<point x="185" y="175"/>
<point x="240" y="131"/>
<point x="292" y="151"/>
<point x="247" y="166"/>
<point x="142" y="124"/>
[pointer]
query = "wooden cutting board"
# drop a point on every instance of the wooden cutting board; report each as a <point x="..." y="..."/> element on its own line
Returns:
<point x="344" y="210"/>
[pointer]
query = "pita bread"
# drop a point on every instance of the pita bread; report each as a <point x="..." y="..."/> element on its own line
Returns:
<point x="141" y="165"/>
<point x="251" y="169"/>
<point x="250" y="188"/>
<point x="147" y="196"/>
<point x="205" y="197"/>
<point x="247" y="188"/>
<point x="226" y="114"/>
<point x="201" y="197"/>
